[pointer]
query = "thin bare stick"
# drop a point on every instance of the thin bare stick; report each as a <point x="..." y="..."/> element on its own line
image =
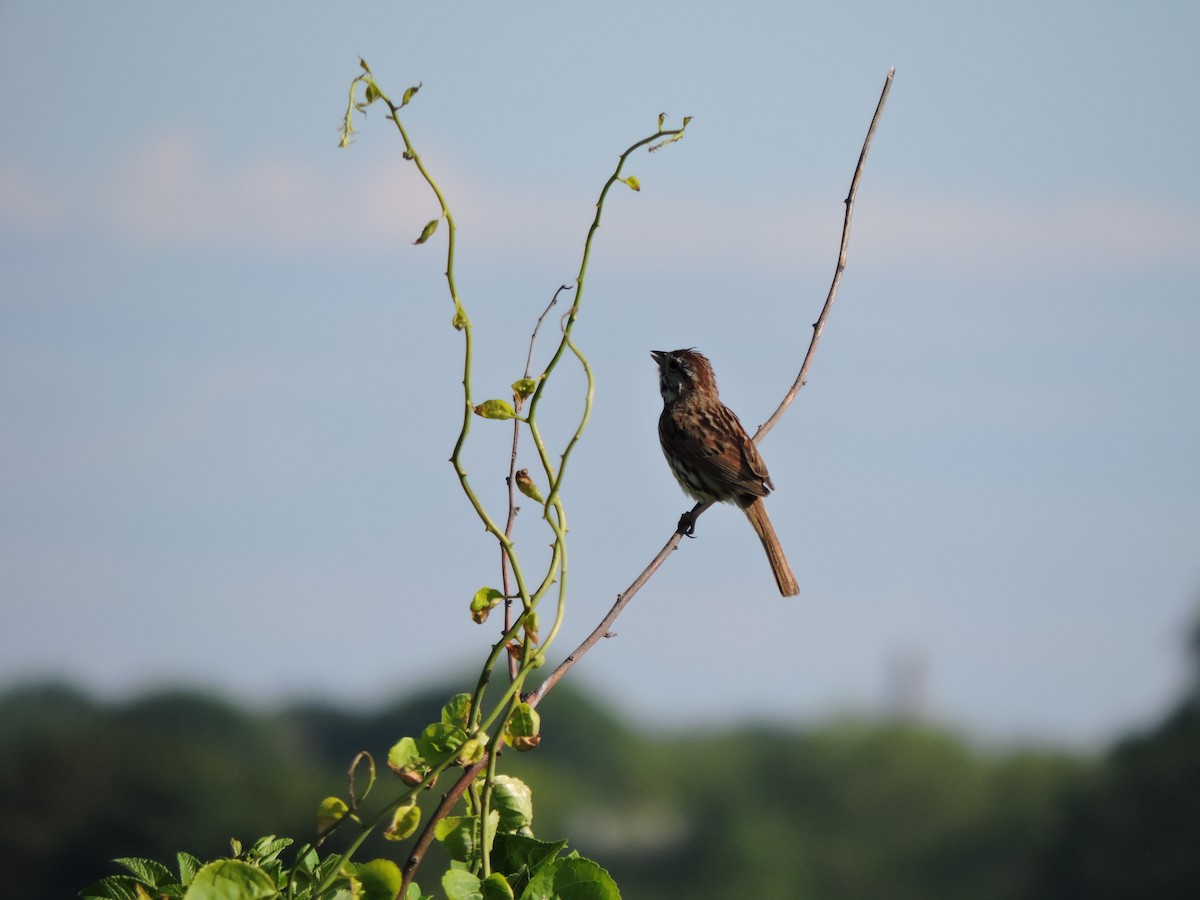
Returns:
<point x="511" y="480"/>
<point x="819" y="325"/>
<point x="602" y="630"/>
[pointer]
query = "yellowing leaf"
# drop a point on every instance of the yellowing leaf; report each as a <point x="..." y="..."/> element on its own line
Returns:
<point x="484" y="602"/>
<point x="404" y="822"/>
<point x="523" y="387"/>
<point x="526" y="486"/>
<point x="495" y="409"/>
<point x="330" y="812"/>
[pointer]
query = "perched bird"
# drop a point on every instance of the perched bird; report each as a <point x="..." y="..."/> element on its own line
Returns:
<point x="710" y="454"/>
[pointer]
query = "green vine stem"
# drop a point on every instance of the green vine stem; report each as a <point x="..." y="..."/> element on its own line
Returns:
<point x="532" y="645"/>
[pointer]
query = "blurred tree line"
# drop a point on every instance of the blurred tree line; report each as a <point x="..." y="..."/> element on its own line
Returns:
<point x="850" y="809"/>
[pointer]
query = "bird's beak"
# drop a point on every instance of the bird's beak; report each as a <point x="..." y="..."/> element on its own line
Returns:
<point x="658" y="355"/>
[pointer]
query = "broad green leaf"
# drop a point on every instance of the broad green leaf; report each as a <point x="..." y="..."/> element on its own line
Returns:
<point x="522" y="728"/>
<point x="380" y="879"/>
<point x="461" y="885"/>
<point x="231" y="879"/>
<point x="513" y="799"/>
<point x="457" y="835"/>
<point x="494" y="887"/>
<point x="572" y="879"/>
<point x="404" y="822"/>
<point x="437" y="741"/>
<point x="456" y="710"/>
<point x="521" y="857"/>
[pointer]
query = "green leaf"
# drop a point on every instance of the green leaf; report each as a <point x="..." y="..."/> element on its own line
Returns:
<point x="380" y="879"/>
<point x="427" y="231"/>
<point x="438" y="741"/>
<point x="460" y="884"/>
<point x="114" y="887"/>
<point x="633" y="182"/>
<point x="457" y="835"/>
<point x="404" y="822"/>
<point x="188" y="867"/>
<point x="484" y="601"/>
<point x="268" y="848"/>
<point x="523" y="387"/>
<point x="331" y="811"/>
<point x="460" y="836"/>
<point x="512" y="798"/>
<point x="522" y="728"/>
<point x="404" y="756"/>
<point x="473" y="750"/>
<point x="308" y="861"/>
<point x="456" y="710"/>
<point x="495" y="409"/>
<point x="496" y="888"/>
<point x="231" y="879"/>
<point x="148" y="871"/>
<point x="410" y="93"/>
<point x="372" y="93"/>
<point x="520" y="857"/>
<point x="572" y="879"/>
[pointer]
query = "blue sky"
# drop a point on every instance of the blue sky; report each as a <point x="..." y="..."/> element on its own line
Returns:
<point x="229" y="385"/>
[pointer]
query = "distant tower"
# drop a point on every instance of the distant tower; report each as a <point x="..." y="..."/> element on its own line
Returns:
<point x="907" y="688"/>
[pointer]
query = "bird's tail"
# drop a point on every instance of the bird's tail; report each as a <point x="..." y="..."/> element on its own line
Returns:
<point x="757" y="514"/>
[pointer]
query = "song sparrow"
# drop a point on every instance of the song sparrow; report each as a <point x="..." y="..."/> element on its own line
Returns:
<point x="709" y="452"/>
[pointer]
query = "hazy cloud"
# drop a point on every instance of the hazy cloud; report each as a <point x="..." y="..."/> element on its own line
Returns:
<point x="172" y="193"/>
